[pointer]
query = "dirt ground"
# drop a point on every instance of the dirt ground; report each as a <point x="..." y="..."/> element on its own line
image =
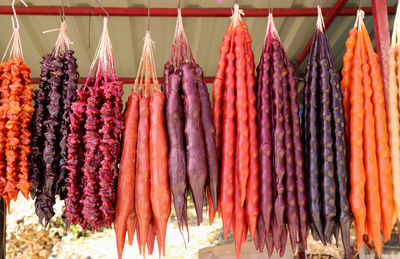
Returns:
<point x="26" y="238"/>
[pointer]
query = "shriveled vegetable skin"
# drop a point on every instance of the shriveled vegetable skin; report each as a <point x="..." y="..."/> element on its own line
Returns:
<point x="75" y="143"/>
<point x="160" y="194"/>
<point x="177" y="155"/>
<point x="70" y="82"/>
<point x="209" y="136"/>
<point x="45" y="201"/>
<point x="37" y="129"/>
<point x="195" y="148"/>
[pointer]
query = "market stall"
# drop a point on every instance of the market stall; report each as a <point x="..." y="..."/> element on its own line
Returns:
<point x="300" y="142"/>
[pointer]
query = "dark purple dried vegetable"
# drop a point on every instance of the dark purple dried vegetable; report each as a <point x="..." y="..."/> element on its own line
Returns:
<point x="327" y="167"/>
<point x="298" y="154"/>
<point x="36" y="164"/>
<point x="177" y="156"/>
<point x="195" y="148"/>
<point x="69" y="86"/>
<point x="313" y="160"/>
<point x="278" y="134"/>
<point x="265" y="142"/>
<point x="340" y="158"/>
<point x="209" y="135"/>
<point x="45" y="201"/>
<point x="290" y="181"/>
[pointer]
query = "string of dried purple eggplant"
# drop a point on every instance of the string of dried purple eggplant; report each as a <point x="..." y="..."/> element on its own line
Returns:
<point x="57" y="90"/>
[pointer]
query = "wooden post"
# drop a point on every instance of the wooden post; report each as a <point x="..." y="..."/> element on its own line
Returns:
<point x="3" y="226"/>
<point x="382" y="35"/>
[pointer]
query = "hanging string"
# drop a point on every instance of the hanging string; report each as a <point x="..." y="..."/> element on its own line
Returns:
<point x="62" y="8"/>
<point x="359" y="6"/>
<point x="320" y="20"/>
<point x="102" y="8"/>
<point x="360" y="18"/>
<point x="148" y="15"/>
<point x="269" y="6"/>
<point x="236" y="14"/>
<point x="15" y="40"/>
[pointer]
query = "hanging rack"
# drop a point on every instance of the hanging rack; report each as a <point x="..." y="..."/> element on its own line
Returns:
<point x="14" y="18"/>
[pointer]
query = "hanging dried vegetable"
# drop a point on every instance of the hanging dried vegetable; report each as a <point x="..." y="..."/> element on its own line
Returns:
<point x="392" y="93"/>
<point x="325" y="145"/>
<point x="96" y="116"/>
<point x="373" y="189"/>
<point x="235" y="119"/>
<point x="57" y="90"/>
<point x="282" y="192"/>
<point x="143" y="195"/>
<point x="16" y="113"/>
<point x="191" y="132"/>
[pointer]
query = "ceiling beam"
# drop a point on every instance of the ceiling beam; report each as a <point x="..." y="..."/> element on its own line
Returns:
<point x="187" y="12"/>
<point x="329" y="18"/>
<point x="126" y="80"/>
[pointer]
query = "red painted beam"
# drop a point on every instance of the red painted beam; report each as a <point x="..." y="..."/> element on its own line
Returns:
<point x="382" y="35"/>
<point x="329" y="18"/>
<point x="188" y="12"/>
<point x="126" y="80"/>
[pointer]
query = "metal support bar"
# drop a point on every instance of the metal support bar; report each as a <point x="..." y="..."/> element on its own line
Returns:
<point x="126" y="80"/>
<point x="382" y="35"/>
<point x="187" y="12"/>
<point x="329" y="18"/>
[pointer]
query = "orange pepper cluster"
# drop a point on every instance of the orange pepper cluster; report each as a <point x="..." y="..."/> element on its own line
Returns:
<point x="371" y="195"/>
<point x="15" y="115"/>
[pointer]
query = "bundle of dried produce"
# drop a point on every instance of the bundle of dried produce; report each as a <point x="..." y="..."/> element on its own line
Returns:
<point x="47" y="161"/>
<point x="234" y="115"/>
<point x="282" y="187"/>
<point x="191" y="132"/>
<point x="143" y="196"/>
<point x="15" y="116"/>
<point x="371" y="195"/>
<point x="324" y="142"/>
<point x="94" y="143"/>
